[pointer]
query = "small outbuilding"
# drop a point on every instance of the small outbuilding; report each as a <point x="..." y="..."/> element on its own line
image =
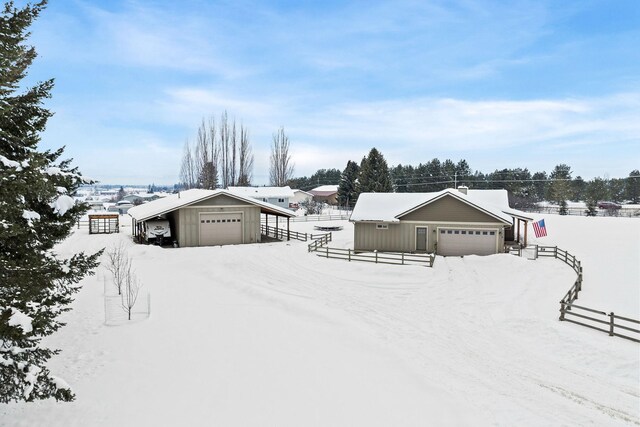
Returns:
<point x="207" y="217"/>
<point x="448" y="222"/>
<point x="104" y="223"/>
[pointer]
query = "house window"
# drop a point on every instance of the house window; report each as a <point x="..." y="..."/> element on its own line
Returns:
<point x="463" y="232"/>
<point x="456" y="232"/>
<point x="280" y="200"/>
<point x="484" y="233"/>
<point x="382" y="226"/>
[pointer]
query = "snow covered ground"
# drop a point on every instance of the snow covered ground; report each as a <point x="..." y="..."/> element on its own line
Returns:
<point x="269" y="334"/>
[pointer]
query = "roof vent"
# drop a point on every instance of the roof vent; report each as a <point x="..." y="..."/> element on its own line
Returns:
<point x="463" y="189"/>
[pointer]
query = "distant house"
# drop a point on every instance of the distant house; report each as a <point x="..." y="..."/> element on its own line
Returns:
<point x="325" y="194"/>
<point x="122" y="207"/>
<point x="279" y="196"/>
<point x="448" y="222"/>
<point x="137" y="199"/>
<point x="207" y="217"/>
<point x="300" y="196"/>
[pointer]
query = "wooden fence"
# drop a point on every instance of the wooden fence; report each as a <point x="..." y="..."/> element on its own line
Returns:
<point x="282" y="234"/>
<point x="311" y="218"/>
<point x="570" y="312"/>
<point x="321" y="248"/>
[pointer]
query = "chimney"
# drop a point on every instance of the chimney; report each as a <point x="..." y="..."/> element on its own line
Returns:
<point x="463" y="189"/>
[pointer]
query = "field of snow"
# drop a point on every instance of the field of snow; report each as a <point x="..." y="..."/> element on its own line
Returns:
<point x="268" y="334"/>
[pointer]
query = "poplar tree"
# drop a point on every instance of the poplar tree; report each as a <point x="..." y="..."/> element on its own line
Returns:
<point x="36" y="212"/>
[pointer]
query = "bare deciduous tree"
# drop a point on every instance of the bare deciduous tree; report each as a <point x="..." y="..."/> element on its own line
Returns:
<point x="130" y="290"/>
<point x="221" y="156"/>
<point x="281" y="167"/>
<point x="188" y="176"/>
<point x="118" y="264"/>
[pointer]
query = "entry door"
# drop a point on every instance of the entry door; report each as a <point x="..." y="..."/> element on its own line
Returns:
<point x="421" y="239"/>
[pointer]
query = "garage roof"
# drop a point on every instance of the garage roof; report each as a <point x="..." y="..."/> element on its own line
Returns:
<point x="389" y="207"/>
<point x="185" y="198"/>
<point x="263" y="192"/>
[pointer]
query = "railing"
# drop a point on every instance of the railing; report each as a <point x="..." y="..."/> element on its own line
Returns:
<point x="568" y="308"/>
<point x="319" y="240"/>
<point x="400" y="258"/>
<point x="280" y="233"/>
<point x="310" y="218"/>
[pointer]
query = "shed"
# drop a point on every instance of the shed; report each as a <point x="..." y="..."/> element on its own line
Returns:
<point x="326" y="194"/>
<point x="104" y="223"/>
<point x="447" y="222"/>
<point x="208" y="217"/>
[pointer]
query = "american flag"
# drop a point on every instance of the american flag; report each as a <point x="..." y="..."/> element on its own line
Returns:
<point x="539" y="228"/>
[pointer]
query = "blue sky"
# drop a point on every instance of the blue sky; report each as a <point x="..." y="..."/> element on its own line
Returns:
<point x="498" y="83"/>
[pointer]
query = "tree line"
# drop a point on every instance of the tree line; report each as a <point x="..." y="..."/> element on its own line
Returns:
<point x="525" y="188"/>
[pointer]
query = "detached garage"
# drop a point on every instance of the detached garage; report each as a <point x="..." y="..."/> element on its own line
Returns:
<point x="207" y="217"/>
<point x="448" y="222"/>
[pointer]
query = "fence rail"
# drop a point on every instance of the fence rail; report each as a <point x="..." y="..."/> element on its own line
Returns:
<point x="312" y="218"/>
<point x="400" y="258"/>
<point x="624" y="211"/>
<point x="280" y="233"/>
<point x="584" y="314"/>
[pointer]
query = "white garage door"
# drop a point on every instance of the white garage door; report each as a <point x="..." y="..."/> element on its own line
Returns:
<point x="220" y="228"/>
<point x="467" y="242"/>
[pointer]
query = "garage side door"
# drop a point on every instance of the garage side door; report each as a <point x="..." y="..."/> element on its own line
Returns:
<point x="220" y="229"/>
<point x="467" y="242"/>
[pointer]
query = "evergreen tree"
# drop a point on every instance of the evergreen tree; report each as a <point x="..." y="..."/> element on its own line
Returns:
<point x="632" y="187"/>
<point x="36" y="212"/>
<point x="121" y="194"/>
<point x="347" y="194"/>
<point x="560" y="187"/>
<point x="374" y="174"/>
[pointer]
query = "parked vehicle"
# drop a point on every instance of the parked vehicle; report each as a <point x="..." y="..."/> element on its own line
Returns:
<point x="156" y="231"/>
<point x="608" y="205"/>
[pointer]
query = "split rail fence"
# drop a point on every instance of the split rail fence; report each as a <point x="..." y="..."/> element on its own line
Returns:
<point x="610" y="323"/>
<point x="321" y="248"/>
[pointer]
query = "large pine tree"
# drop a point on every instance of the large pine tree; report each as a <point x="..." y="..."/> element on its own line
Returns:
<point x="374" y="174"/>
<point x="347" y="193"/>
<point x="36" y="212"/>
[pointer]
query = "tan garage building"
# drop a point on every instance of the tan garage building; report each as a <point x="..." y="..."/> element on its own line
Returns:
<point x="448" y="222"/>
<point x="207" y="217"/>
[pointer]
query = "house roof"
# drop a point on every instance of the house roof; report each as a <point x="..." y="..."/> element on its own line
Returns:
<point x="324" y="190"/>
<point x="189" y="197"/>
<point x="389" y="207"/>
<point x="302" y="191"/>
<point x="263" y="192"/>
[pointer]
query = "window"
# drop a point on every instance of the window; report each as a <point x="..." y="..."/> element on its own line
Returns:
<point x="463" y="232"/>
<point x="382" y="226"/>
<point x="477" y="233"/>
<point x="456" y="232"/>
<point x="280" y="200"/>
<point x="443" y="231"/>
<point x="202" y="221"/>
<point x="493" y="233"/>
<point x="484" y="233"/>
<point x="449" y="232"/>
<point x="208" y="221"/>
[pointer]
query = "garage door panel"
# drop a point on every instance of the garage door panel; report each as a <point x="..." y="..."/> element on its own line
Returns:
<point x="220" y="229"/>
<point x="467" y="241"/>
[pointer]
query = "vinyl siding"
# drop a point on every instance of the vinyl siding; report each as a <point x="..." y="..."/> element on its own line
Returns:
<point x="188" y="221"/>
<point x="448" y="209"/>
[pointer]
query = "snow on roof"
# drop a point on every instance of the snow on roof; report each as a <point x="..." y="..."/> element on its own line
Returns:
<point x="302" y="191"/>
<point x="264" y="192"/>
<point x="185" y="198"/>
<point x="387" y="207"/>
<point x="325" y="188"/>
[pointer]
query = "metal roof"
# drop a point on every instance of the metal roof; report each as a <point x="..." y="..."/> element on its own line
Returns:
<point x="179" y="200"/>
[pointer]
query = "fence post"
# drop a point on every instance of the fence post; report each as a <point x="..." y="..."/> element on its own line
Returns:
<point x="349" y="254"/>
<point x="555" y="252"/>
<point x="402" y="258"/>
<point x="376" y="256"/>
<point x="561" y="310"/>
<point x="611" y="315"/>
<point x="536" y="253"/>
